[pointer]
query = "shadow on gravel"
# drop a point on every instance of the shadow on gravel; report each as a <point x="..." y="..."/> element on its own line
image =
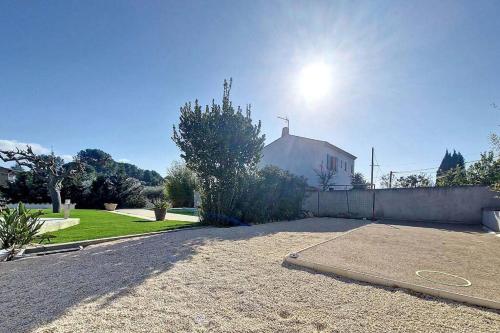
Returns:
<point x="38" y="290"/>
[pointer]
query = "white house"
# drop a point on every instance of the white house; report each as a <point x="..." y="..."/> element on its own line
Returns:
<point x="301" y="156"/>
<point x="6" y="176"/>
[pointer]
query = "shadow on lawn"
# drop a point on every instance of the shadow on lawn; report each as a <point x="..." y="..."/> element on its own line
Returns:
<point x="39" y="290"/>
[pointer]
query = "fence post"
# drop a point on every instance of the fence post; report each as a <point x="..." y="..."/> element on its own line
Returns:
<point x="318" y="202"/>
<point x="373" y="203"/>
<point x="347" y="200"/>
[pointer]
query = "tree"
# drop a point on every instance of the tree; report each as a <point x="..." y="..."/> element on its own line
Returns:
<point x="486" y="171"/>
<point x="495" y="142"/>
<point x="50" y="166"/>
<point x="221" y="145"/>
<point x="358" y="181"/>
<point x="325" y="177"/>
<point x="413" y="181"/>
<point x="450" y="162"/>
<point x="100" y="163"/>
<point x="385" y="181"/>
<point x="97" y="161"/>
<point x="120" y="189"/>
<point x="180" y="184"/>
<point x="28" y="187"/>
<point x="453" y="177"/>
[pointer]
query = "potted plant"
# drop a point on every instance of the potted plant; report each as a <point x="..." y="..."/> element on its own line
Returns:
<point x="110" y="206"/>
<point x="160" y="208"/>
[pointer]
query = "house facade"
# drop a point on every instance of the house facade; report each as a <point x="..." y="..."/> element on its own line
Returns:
<point x="301" y="156"/>
<point x="6" y="176"/>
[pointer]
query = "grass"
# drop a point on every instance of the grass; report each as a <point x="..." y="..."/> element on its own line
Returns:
<point x="183" y="211"/>
<point x="96" y="224"/>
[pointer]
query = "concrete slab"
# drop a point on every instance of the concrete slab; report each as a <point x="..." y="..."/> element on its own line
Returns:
<point x="446" y="258"/>
<point x="150" y="215"/>
<point x="53" y="224"/>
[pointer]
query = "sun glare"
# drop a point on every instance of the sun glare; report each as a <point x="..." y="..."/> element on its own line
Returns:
<point x="315" y="81"/>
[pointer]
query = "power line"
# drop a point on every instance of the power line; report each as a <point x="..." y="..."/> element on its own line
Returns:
<point x="436" y="168"/>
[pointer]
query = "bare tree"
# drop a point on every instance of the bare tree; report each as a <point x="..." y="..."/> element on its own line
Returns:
<point x="325" y="176"/>
<point x="50" y="167"/>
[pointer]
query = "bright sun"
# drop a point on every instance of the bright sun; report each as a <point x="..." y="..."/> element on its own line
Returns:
<point x="315" y="81"/>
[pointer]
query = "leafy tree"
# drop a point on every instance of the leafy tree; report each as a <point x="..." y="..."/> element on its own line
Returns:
<point x="50" y="166"/>
<point x="28" y="187"/>
<point x="325" y="177"/>
<point x="221" y="145"/>
<point x="453" y="177"/>
<point x="119" y="189"/>
<point x="97" y="161"/>
<point x="413" y="181"/>
<point x="180" y="184"/>
<point x="358" y="181"/>
<point x="101" y="163"/>
<point x="486" y="171"/>
<point x="495" y="142"/>
<point x="385" y="181"/>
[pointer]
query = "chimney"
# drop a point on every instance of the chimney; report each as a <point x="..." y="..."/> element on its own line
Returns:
<point x="285" y="131"/>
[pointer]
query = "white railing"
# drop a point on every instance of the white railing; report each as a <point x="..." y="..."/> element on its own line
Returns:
<point x="32" y="205"/>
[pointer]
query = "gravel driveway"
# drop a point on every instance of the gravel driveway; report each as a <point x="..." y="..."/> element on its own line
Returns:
<point x="217" y="280"/>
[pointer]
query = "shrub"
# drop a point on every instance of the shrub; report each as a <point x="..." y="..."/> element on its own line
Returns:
<point x="18" y="227"/>
<point x="180" y="185"/>
<point x="28" y="187"/>
<point x="271" y="194"/>
<point x="119" y="189"/>
<point x="152" y="193"/>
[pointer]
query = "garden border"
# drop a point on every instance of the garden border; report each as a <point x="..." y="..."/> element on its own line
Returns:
<point x="84" y="243"/>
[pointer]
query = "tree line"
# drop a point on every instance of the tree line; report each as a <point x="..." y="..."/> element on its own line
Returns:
<point x="453" y="171"/>
<point x="90" y="180"/>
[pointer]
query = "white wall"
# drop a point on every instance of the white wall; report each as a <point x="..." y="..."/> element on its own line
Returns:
<point x="301" y="155"/>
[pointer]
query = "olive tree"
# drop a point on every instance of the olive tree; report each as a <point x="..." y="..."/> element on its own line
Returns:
<point x="221" y="145"/>
<point x="51" y="167"/>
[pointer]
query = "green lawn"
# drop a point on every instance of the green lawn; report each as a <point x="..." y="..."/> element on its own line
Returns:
<point x="100" y="224"/>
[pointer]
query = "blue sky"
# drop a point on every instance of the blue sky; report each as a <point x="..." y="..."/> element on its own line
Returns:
<point x="410" y="78"/>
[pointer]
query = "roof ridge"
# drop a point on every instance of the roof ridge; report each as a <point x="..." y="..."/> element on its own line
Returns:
<point x="324" y="141"/>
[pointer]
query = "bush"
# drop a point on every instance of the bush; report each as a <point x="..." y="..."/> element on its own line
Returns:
<point x="180" y="185"/>
<point x="28" y="187"/>
<point x="122" y="190"/>
<point x="271" y="194"/>
<point x="152" y="193"/>
<point x="18" y="227"/>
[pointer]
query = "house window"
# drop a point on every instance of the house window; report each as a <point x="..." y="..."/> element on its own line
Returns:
<point x="331" y="162"/>
<point x="352" y="168"/>
<point x="345" y="166"/>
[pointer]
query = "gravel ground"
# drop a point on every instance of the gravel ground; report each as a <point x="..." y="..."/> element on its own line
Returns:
<point x="217" y="280"/>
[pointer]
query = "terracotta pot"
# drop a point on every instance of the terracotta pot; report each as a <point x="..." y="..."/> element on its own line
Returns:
<point x="110" y="206"/>
<point x="160" y="213"/>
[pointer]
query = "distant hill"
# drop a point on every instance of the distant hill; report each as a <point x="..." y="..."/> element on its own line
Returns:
<point x="102" y="164"/>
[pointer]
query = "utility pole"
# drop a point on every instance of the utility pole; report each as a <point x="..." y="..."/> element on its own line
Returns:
<point x="390" y="179"/>
<point x="371" y="178"/>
